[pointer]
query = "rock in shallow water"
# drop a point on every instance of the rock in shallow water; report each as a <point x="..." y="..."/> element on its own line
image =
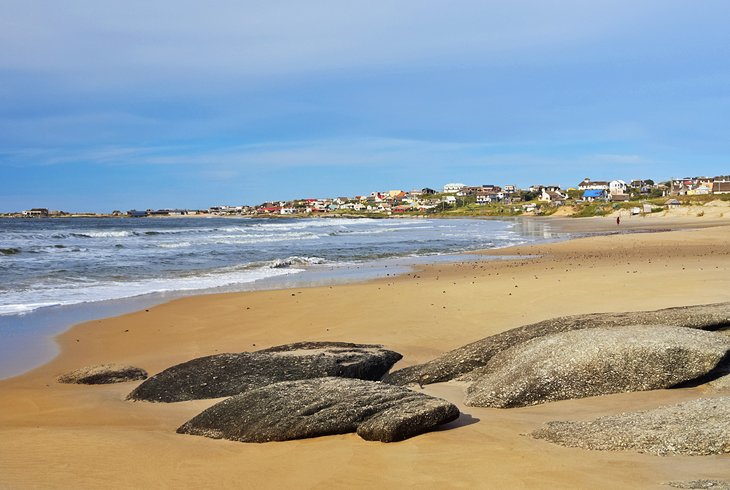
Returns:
<point x="594" y="362"/>
<point x="464" y="359"/>
<point x="319" y="407"/>
<point x="230" y="374"/>
<point x="103" y="374"/>
<point x="697" y="427"/>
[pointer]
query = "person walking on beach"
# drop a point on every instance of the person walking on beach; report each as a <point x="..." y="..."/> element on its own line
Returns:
<point x="618" y="220"/>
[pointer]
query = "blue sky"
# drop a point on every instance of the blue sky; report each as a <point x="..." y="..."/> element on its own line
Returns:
<point x="189" y="104"/>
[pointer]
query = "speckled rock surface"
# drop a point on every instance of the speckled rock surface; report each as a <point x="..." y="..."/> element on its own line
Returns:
<point x="230" y="374"/>
<point x="701" y="484"/>
<point x="697" y="427"/>
<point x="103" y="374"/>
<point x="460" y="361"/>
<point x="594" y="362"/>
<point x="323" y="406"/>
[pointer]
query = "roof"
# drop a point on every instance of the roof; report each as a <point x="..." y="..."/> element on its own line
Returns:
<point x="593" y="193"/>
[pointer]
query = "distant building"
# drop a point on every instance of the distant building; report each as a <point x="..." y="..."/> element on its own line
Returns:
<point x="36" y="213"/>
<point x="453" y="188"/>
<point x="589" y="184"/>
<point x="617" y="187"/>
<point x="133" y="213"/>
<point x="591" y="195"/>
<point x="721" y="185"/>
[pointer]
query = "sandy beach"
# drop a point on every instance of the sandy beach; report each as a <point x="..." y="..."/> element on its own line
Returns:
<point x="61" y="436"/>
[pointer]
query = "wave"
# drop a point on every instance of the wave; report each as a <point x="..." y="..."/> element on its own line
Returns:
<point x="288" y="262"/>
<point x="102" y="234"/>
<point x="9" y="251"/>
<point x="91" y="292"/>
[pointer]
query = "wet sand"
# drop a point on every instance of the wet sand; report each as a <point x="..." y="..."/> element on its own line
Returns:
<point x="61" y="436"/>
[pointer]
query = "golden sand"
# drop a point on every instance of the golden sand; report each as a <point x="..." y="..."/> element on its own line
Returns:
<point x="72" y="436"/>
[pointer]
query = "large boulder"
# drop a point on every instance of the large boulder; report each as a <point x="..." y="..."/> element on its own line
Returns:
<point x="230" y="374"/>
<point x="462" y="360"/>
<point x="103" y="374"/>
<point x="319" y="407"/>
<point x="697" y="427"/>
<point x="594" y="362"/>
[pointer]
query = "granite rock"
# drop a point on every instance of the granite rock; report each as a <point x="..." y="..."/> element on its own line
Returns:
<point x="103" y="374"/>
<point x="697" y="427"/>
<point x="230" y="374"/>
<point x="595" y="361"/>
<point x="462" y="360"/>
<point x="319" y="407"/>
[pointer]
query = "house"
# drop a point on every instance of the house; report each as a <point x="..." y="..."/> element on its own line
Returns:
<point x="133" y="213"/>
<point x="721" y="186"/>
<point x="617" y="187"/>
<point x="701" y="190"/>
<point x="552" y="196"/>
<point x="589" y="184"/>
<point x="591" y="195"/>
<point x="449" y="199"/>
<point x="510" y="189"/>
<point x="400" y="209"/>
<point x="672" y="203"/>
<point x="453" y="188"/>
<point x="288" y="210"/>
<point x="36" y="213"/>
<point x="618" y="197"/>
<point x="489" y="197"/>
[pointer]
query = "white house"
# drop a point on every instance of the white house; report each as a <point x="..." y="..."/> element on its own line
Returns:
<point x="589" y="184"/>
<point x="453" y="188"/>
<point x="617" y="187"/>
<point x="551" y="196"/>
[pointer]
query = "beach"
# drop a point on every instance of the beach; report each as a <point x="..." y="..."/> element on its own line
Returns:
<point x="60" y="436"/>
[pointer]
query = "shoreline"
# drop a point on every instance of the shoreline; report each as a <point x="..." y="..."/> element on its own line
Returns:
<point x="63" y="435"/>
<point x="38" y="329"/>
<point x="29" y="335"/>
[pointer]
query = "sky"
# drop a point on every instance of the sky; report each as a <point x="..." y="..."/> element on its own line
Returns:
<point x="187" y="104"/>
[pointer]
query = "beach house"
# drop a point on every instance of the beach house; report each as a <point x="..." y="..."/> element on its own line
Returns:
<point x="591" y="195"/>
<point x="453" y="188"/>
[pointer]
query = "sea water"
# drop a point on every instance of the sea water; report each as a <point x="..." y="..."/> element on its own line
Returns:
<point x="55" y="272"/>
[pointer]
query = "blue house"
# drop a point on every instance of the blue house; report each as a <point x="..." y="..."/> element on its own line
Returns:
<point x="592" y="194"/>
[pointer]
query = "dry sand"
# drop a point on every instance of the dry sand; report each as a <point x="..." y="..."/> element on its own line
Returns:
<point x="71" y="436"/>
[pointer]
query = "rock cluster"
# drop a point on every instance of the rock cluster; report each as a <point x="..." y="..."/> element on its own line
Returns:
<point x="701" y="484"/>
<point x="467" y="358"/>
<point x="103" y="374"/>
<point x="231" y="374"/>
<point x="697" y="427"/>
<point x="322" y="406"/>
<point x="593" y="362"/>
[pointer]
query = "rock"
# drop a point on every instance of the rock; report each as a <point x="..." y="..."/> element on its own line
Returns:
<point x="595" y="361"/>
<point x="722" y="383"/>
<point x="460" y="361"/>
<point x="701" y="484"/>
<point x="697" y="427"/>
<point x="319" y="407"/>
<point x="103" y="374"/>
<point x="230" y="374"/>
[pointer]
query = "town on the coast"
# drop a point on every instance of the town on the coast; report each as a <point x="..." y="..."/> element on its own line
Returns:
<point x="588" y="198"/>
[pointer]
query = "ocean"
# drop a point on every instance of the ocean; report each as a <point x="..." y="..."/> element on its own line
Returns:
<point x="56" y="272"/>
